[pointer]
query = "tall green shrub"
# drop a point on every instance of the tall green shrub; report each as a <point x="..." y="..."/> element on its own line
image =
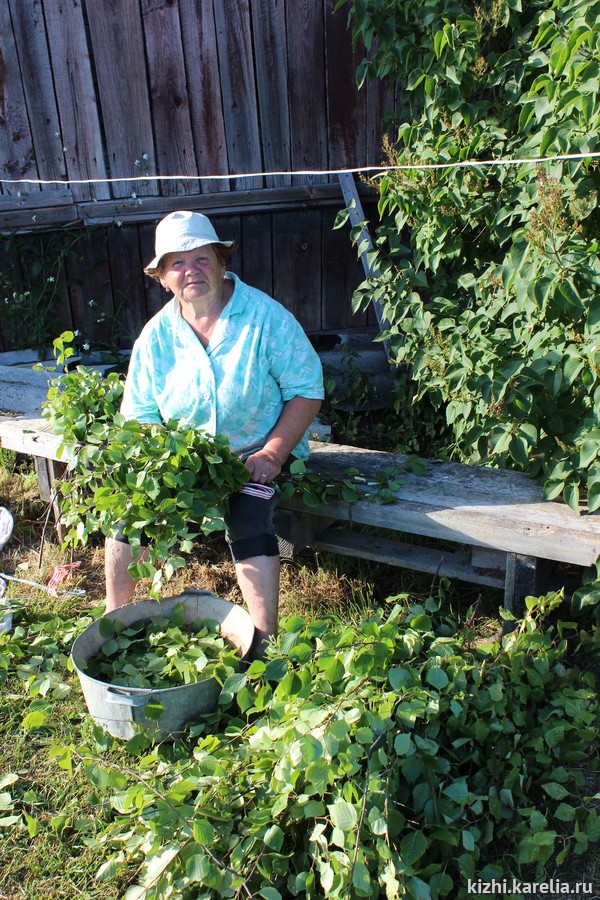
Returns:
<point x="489" y="274"/>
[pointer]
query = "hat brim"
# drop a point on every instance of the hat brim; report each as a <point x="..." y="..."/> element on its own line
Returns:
<point x="184" y="246"/>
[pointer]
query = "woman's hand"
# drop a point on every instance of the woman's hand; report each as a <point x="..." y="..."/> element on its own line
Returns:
<point x="263" y="466"/>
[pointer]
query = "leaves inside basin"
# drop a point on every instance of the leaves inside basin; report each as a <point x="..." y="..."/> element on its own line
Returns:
<point x="162" y="652"/>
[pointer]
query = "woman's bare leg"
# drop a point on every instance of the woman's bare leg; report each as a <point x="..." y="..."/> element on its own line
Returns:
<point x="119" y="583"/>
<point x="258" y="578"/>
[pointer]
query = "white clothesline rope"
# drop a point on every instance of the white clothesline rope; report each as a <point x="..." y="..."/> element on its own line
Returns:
<point x="473" y="163"/>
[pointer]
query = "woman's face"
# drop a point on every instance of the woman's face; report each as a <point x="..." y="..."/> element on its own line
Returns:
<point x="193" y="275"/>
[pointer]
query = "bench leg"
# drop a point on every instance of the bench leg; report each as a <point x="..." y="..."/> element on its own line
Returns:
<point x="48" y="471"/>
<point x="526" y="576"/>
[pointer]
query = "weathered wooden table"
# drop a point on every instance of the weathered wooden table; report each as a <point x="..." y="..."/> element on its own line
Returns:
<point x="22" y="428"/>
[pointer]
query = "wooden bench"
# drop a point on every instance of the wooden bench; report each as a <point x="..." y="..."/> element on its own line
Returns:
<point x="22" y="428"/>
<point x="489" y="527"/>
<point x="493" y="526"/>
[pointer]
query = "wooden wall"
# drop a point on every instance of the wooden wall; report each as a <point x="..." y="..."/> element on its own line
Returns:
<point x="103" y="99"/>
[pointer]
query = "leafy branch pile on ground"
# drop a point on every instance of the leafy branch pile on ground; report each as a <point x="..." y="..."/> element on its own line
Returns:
<point x="391" y="758"/>
<point x="495" y="725"/>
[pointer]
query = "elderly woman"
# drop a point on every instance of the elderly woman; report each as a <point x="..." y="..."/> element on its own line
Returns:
<point x="226" y="358"/>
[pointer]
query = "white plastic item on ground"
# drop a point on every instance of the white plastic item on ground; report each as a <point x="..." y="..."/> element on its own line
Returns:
<point x="6" y="528"/>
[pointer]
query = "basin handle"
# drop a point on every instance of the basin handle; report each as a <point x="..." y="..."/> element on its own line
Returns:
<point x="125" y="699"/>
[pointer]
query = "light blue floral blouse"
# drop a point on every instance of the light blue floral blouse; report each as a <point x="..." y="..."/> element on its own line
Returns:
<point x="258" y="358"/>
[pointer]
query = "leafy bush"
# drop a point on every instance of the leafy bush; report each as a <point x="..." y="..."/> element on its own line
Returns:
<point x="489" y="274"/>
<point x="392" y="758"/>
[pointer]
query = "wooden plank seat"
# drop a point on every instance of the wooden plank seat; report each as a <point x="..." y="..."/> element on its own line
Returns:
<point x="22" y="428"/>
<point x="494" y="527"/>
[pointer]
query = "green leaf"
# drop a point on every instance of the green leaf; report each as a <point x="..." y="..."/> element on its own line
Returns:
<point x="565" y="812"/>
<point x="141" y="570"/>
<point x="412" y="847"/>
<point x="274" y="838"/>
<point x="593" y="496"/>
<point x="343" y="815"/>
<point x="420" y="890"/>
<point x="204" y="832"/>
<point x="403" y="745"/>
<point x="110" y="868"/>
<point x="9" y="821"/>
<point x="361" y="878"/>
<point x="197" y="867"/>
<point x="588" y="452"/>
<point x="398" y="678"/>
<point x="437" y="678"/>
<point x="555" y="790"/>
<point x="34" y="719"/>
<point x="553" y="488"/>
<point x="33" y="825"/>
<point x="439" y="42"/>
<point x="276" y="669"/>
<point x="457" y="791"/>
<point x="468" y="841"/>
<point x="8" y="779"/>
<point x="333" y="669"/>
<point x="270" y="893"/>
<point x="571" y="495"/>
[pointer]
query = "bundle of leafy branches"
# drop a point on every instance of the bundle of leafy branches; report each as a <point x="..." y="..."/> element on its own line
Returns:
<point x="161" y="652"/>
<point x="395" y="757"/>
<point x="161" y="484"/>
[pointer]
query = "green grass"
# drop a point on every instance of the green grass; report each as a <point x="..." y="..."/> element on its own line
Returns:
<point x="45" y="855"/>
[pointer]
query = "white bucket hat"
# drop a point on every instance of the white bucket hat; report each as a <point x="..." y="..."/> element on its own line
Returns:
<point x="181" y="231"/>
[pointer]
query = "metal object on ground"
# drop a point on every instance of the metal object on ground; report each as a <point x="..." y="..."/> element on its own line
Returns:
<point x="120" y="710"/>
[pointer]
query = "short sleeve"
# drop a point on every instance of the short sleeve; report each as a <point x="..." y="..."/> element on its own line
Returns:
<point x="294" y="362"/>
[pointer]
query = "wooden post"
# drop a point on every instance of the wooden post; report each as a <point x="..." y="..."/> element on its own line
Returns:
<point x="48" y="471"/>
<point x="357" y="219"/>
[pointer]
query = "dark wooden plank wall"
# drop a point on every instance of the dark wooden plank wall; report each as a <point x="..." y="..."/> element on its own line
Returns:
<point x="201" y="87"/>
<point x="140" y="89"/>
<point x="201" y="58"/>
<point x="16" y="143"/>
<point x="75" y="123"/>
<point x="174" y="137"/>
<point x="296" y="256"/>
